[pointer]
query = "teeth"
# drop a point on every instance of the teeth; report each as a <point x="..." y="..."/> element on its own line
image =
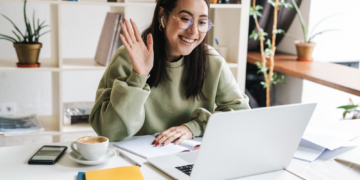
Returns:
<point x="187" y="40"/>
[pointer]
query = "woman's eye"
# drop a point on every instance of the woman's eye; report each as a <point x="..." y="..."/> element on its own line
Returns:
<point x="202" y="22"/>
<point x="184" y="19"/>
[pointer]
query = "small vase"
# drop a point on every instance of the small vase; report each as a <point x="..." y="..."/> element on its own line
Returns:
<point x="304" y="50"/>
<point x="28" y="54"/>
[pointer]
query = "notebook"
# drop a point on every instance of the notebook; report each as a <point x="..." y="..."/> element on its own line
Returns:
<point x="142" y="146"/>
<point x="127" y="172"/>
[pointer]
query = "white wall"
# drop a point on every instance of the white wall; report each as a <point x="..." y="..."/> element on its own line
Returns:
<point x="31" y="91"/>
<point x="334" y="46"/>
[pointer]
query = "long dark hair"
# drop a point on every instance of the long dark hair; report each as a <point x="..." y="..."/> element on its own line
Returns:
<point x="196" y="63"/>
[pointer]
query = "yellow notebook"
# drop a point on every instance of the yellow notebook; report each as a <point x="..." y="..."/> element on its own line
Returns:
<point x="120" y="173"/>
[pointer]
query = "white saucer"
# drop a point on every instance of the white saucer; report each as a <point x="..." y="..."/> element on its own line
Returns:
<point x="78" y="158"/>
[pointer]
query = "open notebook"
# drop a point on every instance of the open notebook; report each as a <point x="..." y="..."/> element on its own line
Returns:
<point x="142" y="146"/>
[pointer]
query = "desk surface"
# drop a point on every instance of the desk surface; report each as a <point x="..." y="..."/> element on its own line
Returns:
<point x="13" y="163"/>
<point x="336" y="76"/>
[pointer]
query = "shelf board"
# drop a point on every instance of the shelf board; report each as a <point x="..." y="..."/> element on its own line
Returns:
<point x="219" y="6"/>
<point x="9" y="65"/>
<point x="76" y="128"/>
<point x="336" y="76"/>
<point x="116" y="4"/>
<point x="81" y="64"/>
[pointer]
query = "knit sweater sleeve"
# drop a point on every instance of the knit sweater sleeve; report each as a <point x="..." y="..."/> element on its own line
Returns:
<point x="119" y="111"/>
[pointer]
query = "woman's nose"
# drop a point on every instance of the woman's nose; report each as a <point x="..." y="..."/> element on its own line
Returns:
<point x="193" y="29"/>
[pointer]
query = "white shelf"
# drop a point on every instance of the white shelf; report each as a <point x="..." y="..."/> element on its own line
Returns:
<point x="9" y="65"/>
<point x="115" y="4"/>
<point x="75" y="128"/>
<point x="225" y="6"/>
<point x="81" y="64"/>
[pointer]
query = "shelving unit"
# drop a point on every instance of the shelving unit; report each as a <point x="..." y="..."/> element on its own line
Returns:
<point x="231" y="29"/>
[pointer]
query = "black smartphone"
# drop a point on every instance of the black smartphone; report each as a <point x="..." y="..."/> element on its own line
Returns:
<point x="47" y="155"/>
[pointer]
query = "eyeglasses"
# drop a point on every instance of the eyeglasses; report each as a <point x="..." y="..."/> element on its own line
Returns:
<point x="184" y="22"/>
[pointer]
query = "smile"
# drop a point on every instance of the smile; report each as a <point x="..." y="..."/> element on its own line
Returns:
<point x="187" y="40"/>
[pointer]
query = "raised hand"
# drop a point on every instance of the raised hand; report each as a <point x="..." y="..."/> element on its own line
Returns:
<point x="142" y="57"/>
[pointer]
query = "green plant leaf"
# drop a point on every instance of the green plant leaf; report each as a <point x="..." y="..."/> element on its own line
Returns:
<point x="278" y="31"/>
<point x="44" y="33"/>
<point x="17" y="36"/>
<point x="322" y="20"/>
<point x="8" y="37"/>
<point x="312" y="37"/>
<point x="291" y="36"/>
<point x="13" y="25"/>
<point x="301" y="20"/>
<point x="347" y="107"/>
<point x="34" y="22"/>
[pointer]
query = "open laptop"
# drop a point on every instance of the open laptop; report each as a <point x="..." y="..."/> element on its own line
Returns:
<point x="243" y="144"/>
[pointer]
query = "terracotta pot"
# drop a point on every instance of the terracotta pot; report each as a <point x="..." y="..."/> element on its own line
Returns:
<point x="213" y="1"/>
<point x="28" y="54"/>
<point x="304" y="50"/>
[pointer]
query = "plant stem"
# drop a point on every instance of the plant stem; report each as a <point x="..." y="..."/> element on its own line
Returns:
<point x="263" y="57"/>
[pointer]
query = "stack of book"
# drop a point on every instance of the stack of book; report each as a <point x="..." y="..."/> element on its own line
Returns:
<point x="109" y="40"/>
<point x="19" y="125"/>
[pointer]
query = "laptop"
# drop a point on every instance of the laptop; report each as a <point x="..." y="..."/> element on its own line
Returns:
<point x="243" y="144"/>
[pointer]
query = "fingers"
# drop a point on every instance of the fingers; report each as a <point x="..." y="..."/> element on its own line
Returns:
<point x="136" y="30"/>
<point x="130" y="30"/>
<point x="170" y="137"/>
<point x="129" y="41"/>
<point x="150" y="42"/>
<point x="124" y="41"/>
<point x="180" y="140"/>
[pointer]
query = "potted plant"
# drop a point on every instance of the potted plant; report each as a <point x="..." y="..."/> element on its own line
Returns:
<point x="305" y="48"/>
<point x="351" y="111"/>
<point x="27" y="44"/>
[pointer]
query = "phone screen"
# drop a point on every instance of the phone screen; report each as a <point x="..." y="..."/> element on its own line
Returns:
<point x="48" y="153"/>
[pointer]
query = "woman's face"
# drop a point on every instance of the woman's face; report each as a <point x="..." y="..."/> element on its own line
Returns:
<point x="182" y="42"/>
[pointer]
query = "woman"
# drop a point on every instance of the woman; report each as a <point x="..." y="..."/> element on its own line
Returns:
<point x="167" y="80"/>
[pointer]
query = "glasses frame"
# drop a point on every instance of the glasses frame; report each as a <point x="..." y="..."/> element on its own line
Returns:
<point x="178" y="19"/>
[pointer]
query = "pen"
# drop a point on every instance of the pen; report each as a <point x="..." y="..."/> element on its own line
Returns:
<point x="128" y="158"/>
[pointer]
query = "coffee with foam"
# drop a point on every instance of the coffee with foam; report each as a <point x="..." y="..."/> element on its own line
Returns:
<point x="92" y="140"/>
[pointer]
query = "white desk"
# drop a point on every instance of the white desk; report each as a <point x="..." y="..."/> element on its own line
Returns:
<point x="13" y="163"/>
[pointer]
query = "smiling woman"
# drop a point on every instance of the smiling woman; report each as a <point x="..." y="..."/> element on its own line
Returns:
<point x="167" y="79"/>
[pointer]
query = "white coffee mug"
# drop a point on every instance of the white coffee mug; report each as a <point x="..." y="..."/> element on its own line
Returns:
<point x="89" y="148"/>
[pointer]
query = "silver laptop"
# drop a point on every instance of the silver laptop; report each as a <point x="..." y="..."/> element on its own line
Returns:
<point x="242" y="144"/>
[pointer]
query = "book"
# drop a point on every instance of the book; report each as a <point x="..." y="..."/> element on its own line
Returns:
<point x="127" y="172"/>
<point x="80" y="176"/>
<point x="142" y="146"/>
<point x="19" y="125"/>
<point x="108" y="39"/>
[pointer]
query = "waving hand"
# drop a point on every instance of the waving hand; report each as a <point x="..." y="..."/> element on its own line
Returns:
<point x="142" y="57"/>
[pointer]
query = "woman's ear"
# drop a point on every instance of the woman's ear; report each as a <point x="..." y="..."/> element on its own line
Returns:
<point x="161" y="17"/>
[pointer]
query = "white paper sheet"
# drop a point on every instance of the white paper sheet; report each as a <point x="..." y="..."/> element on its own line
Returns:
<point x="142" y="147"/>
<point x="315" y="141"/>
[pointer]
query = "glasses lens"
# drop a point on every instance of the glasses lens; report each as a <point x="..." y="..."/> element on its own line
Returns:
<point x="205" y="25"/>
<point x="185" y="21"/>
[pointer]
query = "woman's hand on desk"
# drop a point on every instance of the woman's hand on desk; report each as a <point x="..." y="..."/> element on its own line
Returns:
<point x="142" y="57"/>
<point x="178" y="133"/>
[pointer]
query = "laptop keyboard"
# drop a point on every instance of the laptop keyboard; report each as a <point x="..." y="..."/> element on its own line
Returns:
<point x="185" y="169"/>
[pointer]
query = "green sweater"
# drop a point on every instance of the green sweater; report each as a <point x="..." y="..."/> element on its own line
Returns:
<point x="126" y="106"/>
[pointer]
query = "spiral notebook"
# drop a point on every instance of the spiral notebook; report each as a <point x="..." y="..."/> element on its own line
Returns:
<point x="142" y="146"/>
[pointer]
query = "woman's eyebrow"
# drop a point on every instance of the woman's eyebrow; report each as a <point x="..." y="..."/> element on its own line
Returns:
<point x="185" y="11"/>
